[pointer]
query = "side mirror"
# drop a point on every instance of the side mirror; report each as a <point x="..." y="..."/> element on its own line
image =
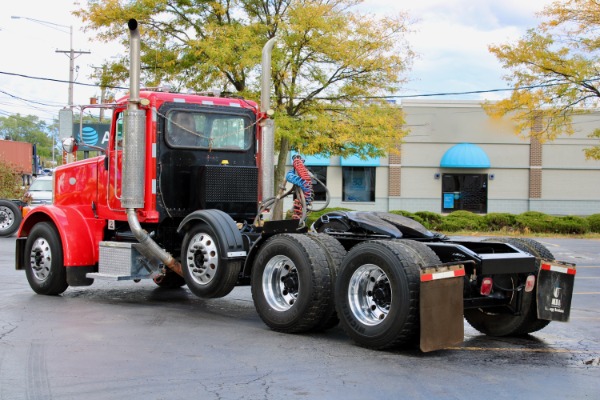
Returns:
<point x="69" y="145"/>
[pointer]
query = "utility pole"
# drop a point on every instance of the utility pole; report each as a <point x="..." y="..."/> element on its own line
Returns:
<point x="72" y="54"/>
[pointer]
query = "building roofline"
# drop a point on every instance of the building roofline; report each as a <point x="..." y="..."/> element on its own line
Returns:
<point x="442" y="103"/>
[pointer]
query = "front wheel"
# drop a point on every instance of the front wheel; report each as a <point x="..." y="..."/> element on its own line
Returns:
<point x="291" y="284"/>
<point x="10" y="218"/>
<point x="206" y="273"/>
<point x="45" y="270"/>
<point x="377" y="294"/>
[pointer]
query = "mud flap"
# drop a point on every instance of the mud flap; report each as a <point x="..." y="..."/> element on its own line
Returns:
<point x="441" y="307"/>
<point x="555" y="290"/>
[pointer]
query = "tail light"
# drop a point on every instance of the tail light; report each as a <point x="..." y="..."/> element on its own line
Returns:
<point x="530" y="283"/>
<point x="486" y="286"/>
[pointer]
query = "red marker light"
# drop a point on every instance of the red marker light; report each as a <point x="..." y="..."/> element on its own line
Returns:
<point x="530" y="283"/>
<point x="486" y="286"/>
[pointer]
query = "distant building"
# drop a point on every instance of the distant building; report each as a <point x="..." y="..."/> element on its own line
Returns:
<point x="457" y="158"/>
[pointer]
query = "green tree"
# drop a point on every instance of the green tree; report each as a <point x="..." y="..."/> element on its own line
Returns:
<point x="554" y="71"/>
<point x="30" y="129"/>
<point x="329" y="67"/>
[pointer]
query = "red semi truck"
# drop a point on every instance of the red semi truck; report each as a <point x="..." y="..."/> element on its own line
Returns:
<point x="178" y="198"/>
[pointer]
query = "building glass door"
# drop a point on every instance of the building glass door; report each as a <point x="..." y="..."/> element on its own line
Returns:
<point x="466" y="192"/>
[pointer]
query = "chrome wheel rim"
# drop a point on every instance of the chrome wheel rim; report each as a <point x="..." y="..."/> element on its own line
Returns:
<point x="40" y="259"/>
<point x="202" y="258"/>
<point x="7" y="217"/>
<point x="280" y="283"/>
<point x="370" y="294"/>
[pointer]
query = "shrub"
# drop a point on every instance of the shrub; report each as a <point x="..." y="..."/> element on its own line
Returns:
<point x="431" y="220"/>
<point x="571" y="225"/>
<point x="451" y="225"/>
<point x="534" y="221"/>
<point x="500" y="221"/>
<point x="463" y="220"/>
<point x="594" y="221"/>
<point x="10" y="182"/>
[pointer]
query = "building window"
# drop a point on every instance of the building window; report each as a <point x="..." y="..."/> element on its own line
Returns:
<point x="321" y="174"/>
<point x="358" y="183"/>
<point x="466" y="192"/>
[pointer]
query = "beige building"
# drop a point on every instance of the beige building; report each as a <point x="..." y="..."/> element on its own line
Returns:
<point x="457" y="158"/>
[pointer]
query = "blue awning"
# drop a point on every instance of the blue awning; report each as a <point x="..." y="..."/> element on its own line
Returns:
<point x="465" y="155"/>
<point x="356" y="161"/>
<point x="318" y="160"/>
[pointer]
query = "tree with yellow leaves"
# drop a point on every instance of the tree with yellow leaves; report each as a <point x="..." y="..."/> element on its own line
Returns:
<point x="331" y="66"/>
<point x="555" y="71"/>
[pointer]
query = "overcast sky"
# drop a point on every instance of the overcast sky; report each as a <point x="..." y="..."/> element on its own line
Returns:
<point x="451" y="38"/>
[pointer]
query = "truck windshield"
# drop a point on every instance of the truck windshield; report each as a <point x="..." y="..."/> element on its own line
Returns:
<point x="194" y="129"/>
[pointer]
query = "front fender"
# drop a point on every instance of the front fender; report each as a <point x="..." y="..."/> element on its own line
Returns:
<point x="79" y="235"/>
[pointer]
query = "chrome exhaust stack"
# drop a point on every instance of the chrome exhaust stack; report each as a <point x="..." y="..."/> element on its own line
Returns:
<point x="134" y="131"/>
<point x="267" y="149"/>
<point x="134" y="155"/>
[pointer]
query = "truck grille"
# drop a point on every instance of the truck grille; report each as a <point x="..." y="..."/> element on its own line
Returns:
<point x="230" y="184"/>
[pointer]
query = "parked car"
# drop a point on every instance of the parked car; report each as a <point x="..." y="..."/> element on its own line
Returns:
<point x="40" y="191"/>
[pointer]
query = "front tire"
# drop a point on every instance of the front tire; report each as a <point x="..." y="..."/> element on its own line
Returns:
<point x="45" y="271"/>
<point x="10" y="218"/>
<point x="206" y="273"/>
<point x="291" y="285"/>
<point x="377" y="294"/>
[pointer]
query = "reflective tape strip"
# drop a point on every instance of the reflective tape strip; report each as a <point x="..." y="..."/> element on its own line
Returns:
<point x="236" y="254"/>
<point x="556" y="268"/>
<point x="208" y="102"/>
<point x="442" y="275"/>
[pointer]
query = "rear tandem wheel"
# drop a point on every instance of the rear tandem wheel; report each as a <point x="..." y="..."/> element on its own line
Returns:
<point x="505" y="324"/>
<point x="377" y="294"/>
<point x="291" y="284"/>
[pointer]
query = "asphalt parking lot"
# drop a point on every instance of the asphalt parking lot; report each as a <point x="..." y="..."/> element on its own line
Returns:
<point x="136" y="341"/>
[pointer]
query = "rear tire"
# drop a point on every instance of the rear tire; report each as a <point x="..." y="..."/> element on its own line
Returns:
<point x="45" y="271"/>
<point x="10" y="218"/>
<point x="377" y="294"/>
<point x="291" y="285"/>
<point x="335" y="253"/>
<point x="496" y="324"/>
<point x="205" y="271"/>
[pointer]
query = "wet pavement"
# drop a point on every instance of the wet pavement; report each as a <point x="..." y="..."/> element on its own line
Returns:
<point x="137" y="341"/>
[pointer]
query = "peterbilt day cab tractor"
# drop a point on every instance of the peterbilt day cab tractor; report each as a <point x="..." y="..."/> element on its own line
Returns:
<point x="180" y="197"/>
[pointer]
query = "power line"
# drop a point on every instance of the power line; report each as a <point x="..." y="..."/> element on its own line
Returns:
<point x="407" y="96"/>
<point x="26" y="100"/>
<point x="59" y="80"/>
